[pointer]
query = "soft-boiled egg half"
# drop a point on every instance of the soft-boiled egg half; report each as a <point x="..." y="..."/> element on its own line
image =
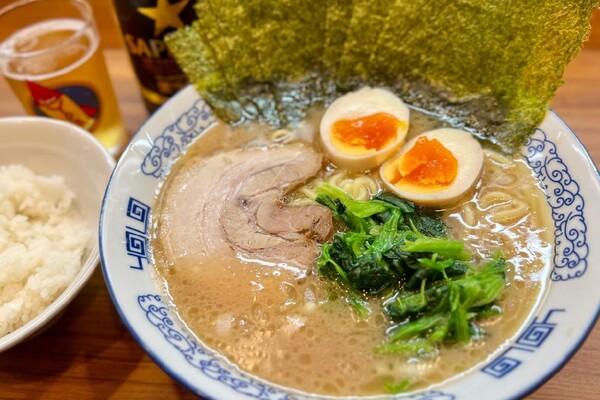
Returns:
<point x="435" y="168"/>
<point x="361" y="129"/>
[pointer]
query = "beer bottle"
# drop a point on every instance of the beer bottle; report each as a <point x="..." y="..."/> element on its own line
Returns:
<point x="143" y="24"/>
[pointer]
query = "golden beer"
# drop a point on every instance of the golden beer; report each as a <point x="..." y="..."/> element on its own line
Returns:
<point x="56" y="69"/>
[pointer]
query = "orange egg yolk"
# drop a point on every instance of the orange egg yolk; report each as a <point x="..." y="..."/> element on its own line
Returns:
<point x="428" y="163"/>
<point x="365" y="134"/>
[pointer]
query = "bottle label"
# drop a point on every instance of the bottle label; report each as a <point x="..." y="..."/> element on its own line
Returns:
<point x="144" y="24"/>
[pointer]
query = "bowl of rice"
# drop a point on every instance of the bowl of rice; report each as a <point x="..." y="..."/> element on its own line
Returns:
<point x="52" y="180"/>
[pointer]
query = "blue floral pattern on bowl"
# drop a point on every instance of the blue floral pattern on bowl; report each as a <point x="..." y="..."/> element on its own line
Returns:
<point x="176" y="137"/>
<point x="564" y="197"/>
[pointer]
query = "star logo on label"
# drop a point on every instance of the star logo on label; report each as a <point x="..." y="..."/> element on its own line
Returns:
<point x="165" y="15"/>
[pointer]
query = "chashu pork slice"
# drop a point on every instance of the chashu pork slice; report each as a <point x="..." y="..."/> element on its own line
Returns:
<point x="233" y="202"/>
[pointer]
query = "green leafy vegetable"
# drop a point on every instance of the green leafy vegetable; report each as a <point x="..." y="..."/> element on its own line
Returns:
<point x="438" y="295"/>
<point x="360" y="306"/>
<point x="448" y="248"/>
<point x="415" y="328"/>
<point x="400" y="387"/>
<point x="360" y="209"/>
<point x="478" y="288"/>
<point x="419" y="347"/>
<point x="491" y="67"/>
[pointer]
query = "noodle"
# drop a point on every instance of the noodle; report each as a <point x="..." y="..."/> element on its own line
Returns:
<point x="507" y="214"/>
<point x="506" y="198"/>
<point x="281" y="136"/>
<point x="468" y="215"/>
<point x="361" y="187"/>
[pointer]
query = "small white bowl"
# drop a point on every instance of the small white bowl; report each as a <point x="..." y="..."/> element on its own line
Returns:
<point x="50" y="147"/>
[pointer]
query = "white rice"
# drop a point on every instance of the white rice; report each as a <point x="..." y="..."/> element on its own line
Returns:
<point x="43" y="239"/>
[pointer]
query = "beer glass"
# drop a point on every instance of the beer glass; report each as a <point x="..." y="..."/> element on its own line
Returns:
<point x="50" y="55"/>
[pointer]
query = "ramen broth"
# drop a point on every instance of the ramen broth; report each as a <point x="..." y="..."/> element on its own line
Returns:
<point x="297" y="329"/>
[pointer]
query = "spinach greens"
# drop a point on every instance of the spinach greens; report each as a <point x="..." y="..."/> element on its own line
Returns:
<point x="433" y="292"/>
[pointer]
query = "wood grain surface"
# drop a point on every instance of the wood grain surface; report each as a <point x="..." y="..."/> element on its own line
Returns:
<point x="89" y="354"/>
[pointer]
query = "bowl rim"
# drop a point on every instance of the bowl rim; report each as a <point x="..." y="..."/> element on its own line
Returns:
<point x="59" y="304"/>
<point x="179" y="377"/>
<point x="594" y="320"/>
<point x="147" y="348"/>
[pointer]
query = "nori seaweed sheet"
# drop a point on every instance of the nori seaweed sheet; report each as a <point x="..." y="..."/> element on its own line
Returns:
<point x="289" y="41"/>
<point x="228" y="29"/>
<point x="368" y="17"/>
<point x="339" y="12"/>
<point x="205" y="73"/>
<point x="490" y="67"/>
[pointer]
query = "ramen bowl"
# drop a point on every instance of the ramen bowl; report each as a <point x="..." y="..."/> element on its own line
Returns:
<point x="555" y="328"/>
<point x="50" y="147"/>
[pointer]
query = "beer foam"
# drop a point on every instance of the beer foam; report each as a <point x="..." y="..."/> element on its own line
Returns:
<point x="44" y="66"/>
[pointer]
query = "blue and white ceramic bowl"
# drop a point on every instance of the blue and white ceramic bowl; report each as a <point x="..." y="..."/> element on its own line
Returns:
<point x="540" y="348"/>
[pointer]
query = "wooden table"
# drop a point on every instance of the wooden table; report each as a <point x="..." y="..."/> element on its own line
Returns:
<point x="89" y="354"/>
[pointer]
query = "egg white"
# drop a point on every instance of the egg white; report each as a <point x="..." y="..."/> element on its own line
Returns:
<point x="467" y="151"/>
<point x="361" y="103"/>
